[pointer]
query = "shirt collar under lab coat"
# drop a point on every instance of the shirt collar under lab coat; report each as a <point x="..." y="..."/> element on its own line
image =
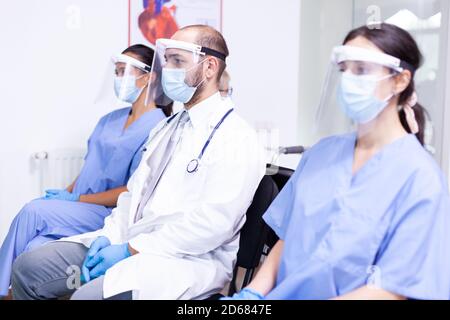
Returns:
<point x="202" y="111"/>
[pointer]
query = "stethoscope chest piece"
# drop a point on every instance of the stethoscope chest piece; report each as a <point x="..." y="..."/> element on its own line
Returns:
<point x="194" y="163"/>
<point x="192" y="166"/>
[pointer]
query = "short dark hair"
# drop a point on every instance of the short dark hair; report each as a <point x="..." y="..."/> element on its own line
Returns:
<point x="213" y="39"/>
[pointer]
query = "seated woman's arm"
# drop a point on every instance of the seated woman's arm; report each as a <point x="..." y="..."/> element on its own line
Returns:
<point x="107" y="198"/>
<point x="70" y="188"/>
<point x="266" y="277"/>
<point x="369" y="293"/>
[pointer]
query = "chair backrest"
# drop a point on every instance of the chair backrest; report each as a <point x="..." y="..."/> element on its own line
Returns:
<point x="254" y="232"/>
<point x="256" y="235"/>
<point x="281" y="176"/>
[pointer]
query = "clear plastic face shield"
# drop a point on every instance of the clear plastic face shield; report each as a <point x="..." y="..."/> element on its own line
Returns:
<point x="358" y="86"/>
<point x="177" y="66"/>
<point x="126" y="78"/>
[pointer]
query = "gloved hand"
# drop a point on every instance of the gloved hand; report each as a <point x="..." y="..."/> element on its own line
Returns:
<point x="61" y="194"/>
<point x="97" y="245"/>
<point x="106" y="258"/>
<point x="245" y="294"/>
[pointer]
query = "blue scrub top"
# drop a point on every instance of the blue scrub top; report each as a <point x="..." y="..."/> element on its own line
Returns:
<point x="388" y="225"/>
<point x="113" y="154"/>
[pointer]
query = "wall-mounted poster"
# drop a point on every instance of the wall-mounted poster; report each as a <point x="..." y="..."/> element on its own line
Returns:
<point x="153" y="19"/>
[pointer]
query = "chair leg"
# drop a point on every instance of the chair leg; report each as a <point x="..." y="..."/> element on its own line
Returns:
<point x="232" y="290"/>
<point x="248" y="277"/>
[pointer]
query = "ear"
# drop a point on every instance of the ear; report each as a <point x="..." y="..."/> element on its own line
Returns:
<point x="212" y="67"/>
<point x="145" y="80"/>
<point x="402" y="81"/>
<point x="151" y="77"/>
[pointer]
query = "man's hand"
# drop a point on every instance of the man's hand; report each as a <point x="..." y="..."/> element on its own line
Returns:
<point x="96" y="246"/>
<point x="106" y="258"/>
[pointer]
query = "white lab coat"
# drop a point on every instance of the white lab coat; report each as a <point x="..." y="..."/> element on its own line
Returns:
<point x="188" y="237"/>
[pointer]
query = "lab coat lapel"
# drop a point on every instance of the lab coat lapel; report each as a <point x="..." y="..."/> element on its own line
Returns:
<point x="144" y="170"/>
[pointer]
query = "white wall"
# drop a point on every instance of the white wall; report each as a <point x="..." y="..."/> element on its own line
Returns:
<point x="53" y="64"/>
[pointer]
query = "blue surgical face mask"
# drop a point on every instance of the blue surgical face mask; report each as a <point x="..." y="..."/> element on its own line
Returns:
<point x="127" y="90"/>
<point x="174" y="85"/>
<point x="356" y="96"/>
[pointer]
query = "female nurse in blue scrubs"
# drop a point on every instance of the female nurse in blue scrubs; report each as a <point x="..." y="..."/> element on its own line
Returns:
<point x="114" y="152"/>
<point x="366" y="214"/>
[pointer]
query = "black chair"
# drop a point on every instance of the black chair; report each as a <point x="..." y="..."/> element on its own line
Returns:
<point x="254" y="232"/>
<point x="280" y="176"/>
<point x="253" y="235"/>
<point x="257" y="238"/>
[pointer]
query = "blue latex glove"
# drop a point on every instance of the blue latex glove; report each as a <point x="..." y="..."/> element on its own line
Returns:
<point x="106" y="258"/>
<point x="97" y="245"/>
<point x="245" y="294"/>
<point x="61" y="194"/>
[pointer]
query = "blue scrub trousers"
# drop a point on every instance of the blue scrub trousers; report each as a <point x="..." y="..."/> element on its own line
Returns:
<point x="41" y="221"/>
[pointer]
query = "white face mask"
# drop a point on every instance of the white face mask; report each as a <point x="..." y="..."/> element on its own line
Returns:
<point x="127" y="91"/>
<point x="356" y="95"/>
<point x="174" y="84"/>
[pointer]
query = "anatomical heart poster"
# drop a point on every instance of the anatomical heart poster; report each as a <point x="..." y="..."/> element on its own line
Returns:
<point x="153" y="19"/>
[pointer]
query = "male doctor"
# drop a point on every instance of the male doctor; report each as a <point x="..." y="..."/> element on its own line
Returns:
<point x="175" y="233"/>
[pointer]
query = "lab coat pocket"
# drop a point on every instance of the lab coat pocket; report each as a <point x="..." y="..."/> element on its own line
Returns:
<point x="194" y="183"/>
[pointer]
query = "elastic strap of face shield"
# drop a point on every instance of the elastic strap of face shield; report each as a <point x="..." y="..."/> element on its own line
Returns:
<point x="214" y="53"/>
<point x="406" y="66"/>
<point x="403" y="66"/>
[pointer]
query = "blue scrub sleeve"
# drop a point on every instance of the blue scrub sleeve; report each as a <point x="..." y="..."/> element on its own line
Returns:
<point x="414" y="260"/>
<point x="279" y="213"/>
<point x="94" y="135"/>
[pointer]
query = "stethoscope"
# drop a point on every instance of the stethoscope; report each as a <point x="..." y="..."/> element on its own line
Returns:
<point x="193" y="165"/>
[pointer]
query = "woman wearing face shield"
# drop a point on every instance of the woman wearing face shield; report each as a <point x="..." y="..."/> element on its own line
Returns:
<point x="367" y="213"/>
<point x="114" y="152"/>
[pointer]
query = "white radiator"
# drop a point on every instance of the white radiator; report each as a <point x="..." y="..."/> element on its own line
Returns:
<point x="57" y="169"/>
